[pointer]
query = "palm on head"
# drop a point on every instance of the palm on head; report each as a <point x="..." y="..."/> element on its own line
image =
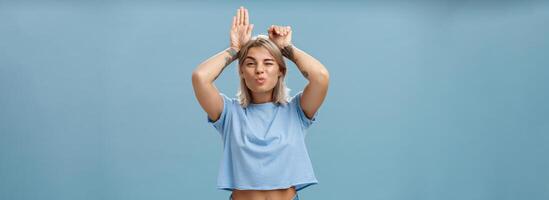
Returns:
<point x="241" y="29"/>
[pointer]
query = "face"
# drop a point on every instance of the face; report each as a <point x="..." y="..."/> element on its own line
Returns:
<point x="260" y="70"/>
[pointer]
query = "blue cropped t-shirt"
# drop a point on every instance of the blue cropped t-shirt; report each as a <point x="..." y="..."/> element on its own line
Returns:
<point x="264" y="146"/>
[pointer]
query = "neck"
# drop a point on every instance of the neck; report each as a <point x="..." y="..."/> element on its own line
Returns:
<point x="262" y="97"/>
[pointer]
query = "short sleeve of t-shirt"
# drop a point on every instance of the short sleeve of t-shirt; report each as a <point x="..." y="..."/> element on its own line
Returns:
<point x="305" y="121"/>
<point x="219" y="124"/>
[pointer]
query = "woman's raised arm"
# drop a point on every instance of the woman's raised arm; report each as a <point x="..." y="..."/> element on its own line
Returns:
<point x="314" y="71"/>
<point x="207" y="72"/>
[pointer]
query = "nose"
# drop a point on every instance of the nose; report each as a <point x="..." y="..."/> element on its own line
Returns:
<point x="259" y="69"/>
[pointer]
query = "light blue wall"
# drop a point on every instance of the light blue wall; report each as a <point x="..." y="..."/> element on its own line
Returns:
<point x="428" y="101"/>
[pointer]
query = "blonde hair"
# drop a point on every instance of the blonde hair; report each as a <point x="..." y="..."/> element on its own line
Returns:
<point x="280" y="91"/>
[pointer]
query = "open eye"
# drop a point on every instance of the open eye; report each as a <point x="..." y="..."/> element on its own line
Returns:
<point x="250" y="64"/>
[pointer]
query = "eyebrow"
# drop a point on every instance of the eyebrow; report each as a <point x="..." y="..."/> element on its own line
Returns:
<point x="266" y="59"/>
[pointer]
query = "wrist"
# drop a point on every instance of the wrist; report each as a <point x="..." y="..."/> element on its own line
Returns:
<point x="233" y="53"/>
<point x="288" y="51"/>
<point x="235" y="48"/>
<point x="286" y="45"/>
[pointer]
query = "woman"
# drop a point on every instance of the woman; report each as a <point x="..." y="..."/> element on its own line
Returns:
<point x="263" y="130"/>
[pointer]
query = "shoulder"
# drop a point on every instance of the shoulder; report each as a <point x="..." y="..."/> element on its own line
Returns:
<point x="229" y="103"/>
<point x="296" y="98"/>
<point x="228" y="99"/>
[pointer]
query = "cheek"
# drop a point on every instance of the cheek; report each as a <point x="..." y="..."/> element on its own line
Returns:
<point x="248" y="77"/>
<point x="273" y="77"/>
<point x="246" y="73"/>
<point x="274" y="73"/>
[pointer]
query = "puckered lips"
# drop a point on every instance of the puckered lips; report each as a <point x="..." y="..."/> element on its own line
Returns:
<point x="260" y="80"/>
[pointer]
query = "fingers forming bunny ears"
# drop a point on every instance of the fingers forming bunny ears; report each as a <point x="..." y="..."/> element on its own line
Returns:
<point x="280" y="30"/>
<point x="242" y="17"/>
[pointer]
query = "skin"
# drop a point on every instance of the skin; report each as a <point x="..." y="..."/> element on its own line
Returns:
<point x="259" y="63"/>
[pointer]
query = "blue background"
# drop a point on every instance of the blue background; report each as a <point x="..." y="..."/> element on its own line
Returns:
<point x="428" y="100"/>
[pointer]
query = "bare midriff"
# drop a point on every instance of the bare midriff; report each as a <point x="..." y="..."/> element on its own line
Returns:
<point x="278" y="194"/>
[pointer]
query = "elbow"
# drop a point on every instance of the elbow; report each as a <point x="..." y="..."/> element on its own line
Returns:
<point x="198" y="77"/>
<point x="322" y="77"/>
<point x="325" y="74"/>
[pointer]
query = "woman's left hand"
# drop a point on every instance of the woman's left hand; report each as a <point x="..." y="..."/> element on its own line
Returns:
<point x="280" y="35"/>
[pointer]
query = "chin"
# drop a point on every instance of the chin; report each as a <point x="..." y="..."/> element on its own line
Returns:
<point x="257" y="90"/>
<point x="261" y="89"/>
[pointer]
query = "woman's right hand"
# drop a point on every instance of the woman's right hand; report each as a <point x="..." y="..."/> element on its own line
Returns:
<point x="241" y="29"/>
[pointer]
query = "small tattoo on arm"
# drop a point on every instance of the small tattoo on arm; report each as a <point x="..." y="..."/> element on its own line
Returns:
<point x="233" y="54"/>
<point x="228" y="59"/>
<point x="288" y="52"/>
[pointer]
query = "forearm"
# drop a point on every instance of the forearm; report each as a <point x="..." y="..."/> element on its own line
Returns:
<point x="310" y="67"/>
<point x="210" y="69"/>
